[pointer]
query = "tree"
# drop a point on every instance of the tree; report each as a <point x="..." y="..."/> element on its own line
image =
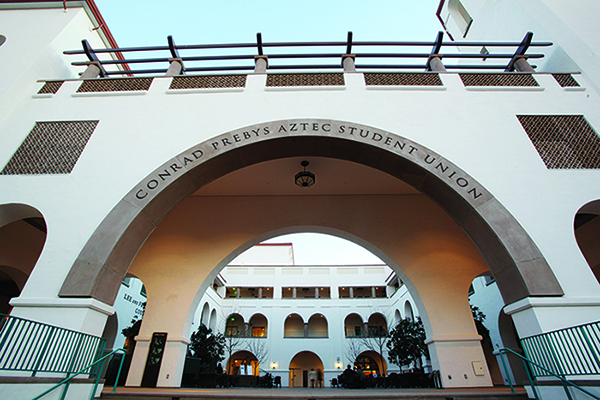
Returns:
<point x="207" y="347"/>
<point x="377" y="344"/>
<point x="407" y="343"/>
<point x="258" y="347"/>
<point x="479" y="317"/>
<point x="352" y="350"/>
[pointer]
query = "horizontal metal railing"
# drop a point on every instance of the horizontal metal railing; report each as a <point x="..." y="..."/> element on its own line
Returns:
<point x="36" y="347"/>
<point x="565" y="352"/>
<point x="377" y="55"/>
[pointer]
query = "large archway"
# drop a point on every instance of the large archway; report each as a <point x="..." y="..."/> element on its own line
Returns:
<point x="230" y="225"/>
<point x="511" y="255"/>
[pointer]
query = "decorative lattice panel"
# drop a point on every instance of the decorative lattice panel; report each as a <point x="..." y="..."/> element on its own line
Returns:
<point x="565" y="80"/>
<point x="288" y="80"/>
<point x="115" y="85"/>
<point x="563" y="141"/>
<point x="51" y="148"/>
<point x="506" y="79"/>
<point x="51" y="87"/>
<point x="208" y="82"/>
<point x="399" y="79"/>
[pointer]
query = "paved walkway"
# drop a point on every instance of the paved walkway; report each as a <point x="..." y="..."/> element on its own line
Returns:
<point x="304" y="393"/>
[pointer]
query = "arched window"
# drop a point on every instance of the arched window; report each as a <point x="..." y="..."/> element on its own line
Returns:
<point x="317" y="326"/>
<point x="234" y="327"/>
<point x="2" y="39"/>
<point x="408" y="311"/>
<point x="377" y="325"/>
<point x="294" y="326"/>
<point x="258" y="326"/>
<point x="353" y="325"/>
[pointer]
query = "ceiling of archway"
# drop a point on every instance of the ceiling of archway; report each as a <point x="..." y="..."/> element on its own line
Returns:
<point x="333" y="177"/>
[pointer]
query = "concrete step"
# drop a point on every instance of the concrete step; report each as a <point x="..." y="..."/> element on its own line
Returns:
<point x="310" y="394"/>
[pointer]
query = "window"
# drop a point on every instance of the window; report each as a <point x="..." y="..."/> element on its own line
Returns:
<point x="2" y="39"/>
<point x="127" y="281"/>
<point x="489" y="280"/>
<point x="143" y="291"/>
<point x="460" y="15"/>
<point x="471" y="290"/>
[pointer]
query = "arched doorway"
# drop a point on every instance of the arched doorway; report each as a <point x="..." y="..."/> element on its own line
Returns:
<point x="370" y="363"/>
<point x="243" y="362"/>
<point x="300" y="367"/>
<point x="465" y="207"/>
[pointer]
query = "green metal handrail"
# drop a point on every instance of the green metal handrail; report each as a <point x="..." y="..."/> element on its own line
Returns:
<point x="99" y="366"/>
<point x="566" y="352"/>
<point x="37" y="347"/>
<point x="528" y="367"/>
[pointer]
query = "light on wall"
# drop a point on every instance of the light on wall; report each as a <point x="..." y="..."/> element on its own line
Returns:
<point x="305" y="178"/>
<point x="273" y="365"/>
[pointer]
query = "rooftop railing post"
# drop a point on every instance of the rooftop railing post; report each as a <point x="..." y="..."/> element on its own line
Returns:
<point x="94" y="66"/>
<point x="176" y="66"/>
<point x="519" y="59"/>
<point x="434" y="62"/>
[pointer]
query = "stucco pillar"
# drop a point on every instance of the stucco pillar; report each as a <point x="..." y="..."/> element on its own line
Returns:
<point x="348" y="62"/>
<point x="176" y="67"/>
<point x="351" y="292"/>
<point x="261" y="63"/>
<point x="293" y="293"/>
<point x="436" y="65"/>
<point x="365" y="329"/>
<point x="260" y="292"/>
<point x="306" y="329"/>
<point x="92" y="71"/>
<point x="521" y="65"/>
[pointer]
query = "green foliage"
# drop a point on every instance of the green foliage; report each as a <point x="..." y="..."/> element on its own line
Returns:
<point x="207" y="346"/>
<point x="407" y="342"/>
<point x="479" y="317"/>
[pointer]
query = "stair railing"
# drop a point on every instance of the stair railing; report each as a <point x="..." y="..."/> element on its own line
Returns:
<point x="528" y="364"/>
<point x="100" y="363"/>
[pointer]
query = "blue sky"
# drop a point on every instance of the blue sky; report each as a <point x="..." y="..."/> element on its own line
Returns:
<point x="141" y="23"/>
<point x="148" y="23"/>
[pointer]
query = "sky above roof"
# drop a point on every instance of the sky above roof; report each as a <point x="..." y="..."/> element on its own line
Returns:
<point x="148" y="23"/>
<point x="143" y="22"/>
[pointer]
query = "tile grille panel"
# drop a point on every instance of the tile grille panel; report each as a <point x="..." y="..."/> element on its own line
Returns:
<point x="50" y="148"/>
<point x="208" y="82"/>
<point x="290" y="80"/>
<point x="400" y="79"/>
<point x="563" y="141"/>
<point x="565" y="80"/>
<point x="115" y="85"/>
<point x="51" y="87"/>
<point x="507" y="79"/>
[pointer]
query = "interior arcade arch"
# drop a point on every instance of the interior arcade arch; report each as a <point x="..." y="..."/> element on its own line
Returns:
<point x="22" y="239"/>
<point x="587" y="233"/>
<point x="300" y="367"/>
<point x="215" y="210"/>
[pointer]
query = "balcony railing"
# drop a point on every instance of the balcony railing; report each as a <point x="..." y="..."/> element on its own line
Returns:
<point x="366" y="55"/>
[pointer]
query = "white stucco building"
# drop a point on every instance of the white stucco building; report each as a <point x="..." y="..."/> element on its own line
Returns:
<point x="446" y="174"/>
